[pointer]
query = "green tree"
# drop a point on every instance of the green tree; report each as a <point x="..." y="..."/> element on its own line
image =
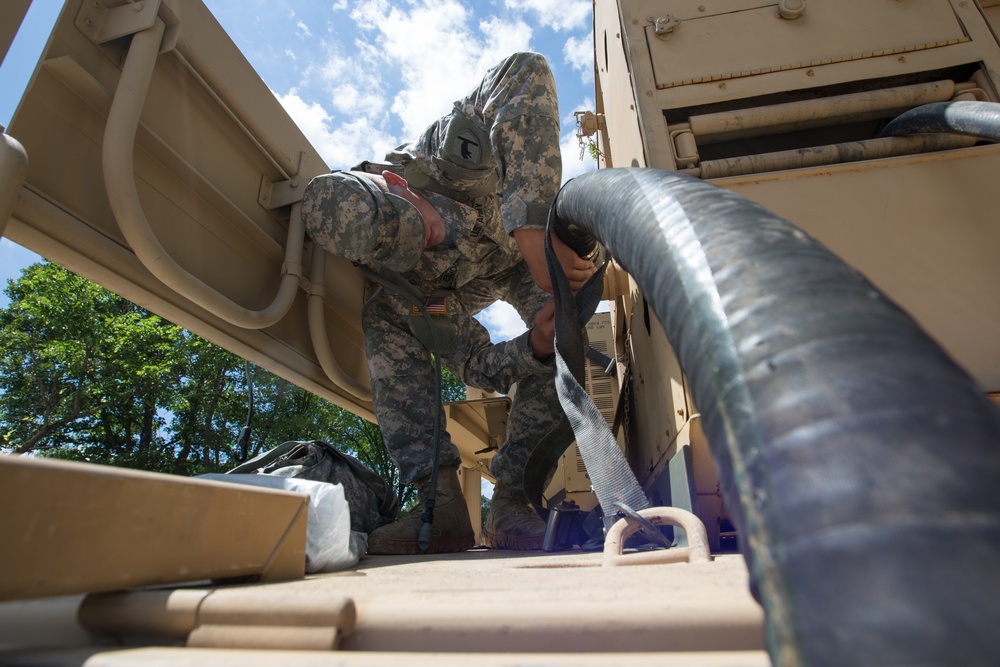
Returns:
<point x="81" y="365"/>
<point x="484" y="507"/>
<point x="87" y="375"/>
<point x="208" y="409"/>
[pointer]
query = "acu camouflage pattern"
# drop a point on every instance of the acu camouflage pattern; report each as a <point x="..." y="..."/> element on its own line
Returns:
<point x="350" y="216"/>
<point x="516" y="106"/>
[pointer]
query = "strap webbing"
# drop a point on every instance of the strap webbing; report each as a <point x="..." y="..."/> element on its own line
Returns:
<point x="610" y="475"/>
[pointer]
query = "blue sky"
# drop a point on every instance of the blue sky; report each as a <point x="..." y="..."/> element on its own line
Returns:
<point x="362" y="76"/>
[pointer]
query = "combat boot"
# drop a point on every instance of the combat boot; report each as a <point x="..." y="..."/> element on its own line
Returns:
<point x="512" y="522"/>
<point x="451" y="529"/>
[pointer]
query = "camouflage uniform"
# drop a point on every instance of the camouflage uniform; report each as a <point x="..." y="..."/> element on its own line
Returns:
<point x="489" y="167"/>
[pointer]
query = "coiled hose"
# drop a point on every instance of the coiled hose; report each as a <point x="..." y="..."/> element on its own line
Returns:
<point x="973" y="119"/>
<point x="861" y="463"/>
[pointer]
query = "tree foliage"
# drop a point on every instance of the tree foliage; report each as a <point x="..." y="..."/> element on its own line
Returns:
<point x="89" y="376"/>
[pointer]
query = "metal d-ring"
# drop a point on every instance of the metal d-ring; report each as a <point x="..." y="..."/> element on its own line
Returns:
<point x="645" y="527"/>
<point x="697" y="550"/>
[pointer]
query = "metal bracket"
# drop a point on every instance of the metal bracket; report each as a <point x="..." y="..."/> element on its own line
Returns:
<point x="283" y="193"/>
<point x="101" y="23"/>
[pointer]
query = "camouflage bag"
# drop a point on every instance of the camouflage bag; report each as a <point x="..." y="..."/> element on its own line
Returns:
<point x="372" y="501"/>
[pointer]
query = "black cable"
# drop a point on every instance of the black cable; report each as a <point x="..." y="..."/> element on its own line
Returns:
<point x="399" y="285"/>
<point x="243" y="442"/>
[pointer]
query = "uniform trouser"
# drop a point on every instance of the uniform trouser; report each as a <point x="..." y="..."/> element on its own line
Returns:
<point x="402" y="374"/>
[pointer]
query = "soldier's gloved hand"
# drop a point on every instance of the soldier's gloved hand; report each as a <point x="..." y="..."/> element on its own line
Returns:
<point x="543" y="334"/>
<point x="531" y="242"/>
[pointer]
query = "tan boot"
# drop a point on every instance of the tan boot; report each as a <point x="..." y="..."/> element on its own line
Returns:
<point x="451" y="529"/>
<point x="512" y="522"/>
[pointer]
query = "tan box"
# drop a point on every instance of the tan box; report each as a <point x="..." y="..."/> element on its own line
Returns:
<point x="80" y="528"/>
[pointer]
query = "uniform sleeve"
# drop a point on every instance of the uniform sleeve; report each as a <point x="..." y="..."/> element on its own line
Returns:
<point x="517" y="99"/>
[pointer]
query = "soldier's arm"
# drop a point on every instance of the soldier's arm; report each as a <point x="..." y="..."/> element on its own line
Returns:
<point x="531" y="242"/>
<point x="518" y="100"/>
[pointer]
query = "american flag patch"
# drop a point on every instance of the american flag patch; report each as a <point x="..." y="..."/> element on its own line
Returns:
<point x="435" y="306"/>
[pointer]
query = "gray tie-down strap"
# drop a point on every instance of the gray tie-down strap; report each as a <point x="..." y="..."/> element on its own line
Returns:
<point x="611" y="477"/>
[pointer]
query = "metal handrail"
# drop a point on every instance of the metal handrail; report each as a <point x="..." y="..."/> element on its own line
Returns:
<point x="119" y="178"/>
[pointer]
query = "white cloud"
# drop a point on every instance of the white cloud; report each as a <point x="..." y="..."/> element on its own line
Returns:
<point x="303" y="29"/>
<point x="341" y="145"/>
<point x="340" y="5"/>
<point x="579" y="54"/>
<point x="436" y="52"/>
<point x="503" y="38"/>
<point x="502" y="321"/>
<point x="560" y="15"/>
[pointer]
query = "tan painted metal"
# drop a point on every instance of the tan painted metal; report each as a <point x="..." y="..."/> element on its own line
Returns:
<point x="777" y="110"/>
<point x="119" y="180"/>
<point x="84" y="528"/>
<point x="224" y="618"/>
<point x="158" y="657"/>
<point x="793" y="116"/>
<point x="480" y="602"/>
<point x="213" y="162"/>
<point x="13" y="168"/>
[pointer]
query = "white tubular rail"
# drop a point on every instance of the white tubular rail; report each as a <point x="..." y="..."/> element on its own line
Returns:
<point x="119" y="178"/>
<point x="318" y="334"/>
<point x="791" y="116"/>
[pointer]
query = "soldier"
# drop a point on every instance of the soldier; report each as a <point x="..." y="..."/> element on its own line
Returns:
<point x="459" y="215"/>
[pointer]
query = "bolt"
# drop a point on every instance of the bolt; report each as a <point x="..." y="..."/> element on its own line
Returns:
<point x="293" y="184"/>
<point x="701" y="8"/>
<point x="635" y="21"/>
<point x="810" y="73"/>
<point x="88" y="22"/>
<point x="649" y="93"/>
<point x="681" y="412"/>
<point x="722" y="86"/>
<point x="902" y="59"/>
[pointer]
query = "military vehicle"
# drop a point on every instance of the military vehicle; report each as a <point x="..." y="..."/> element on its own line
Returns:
<point x="825" y="430"/>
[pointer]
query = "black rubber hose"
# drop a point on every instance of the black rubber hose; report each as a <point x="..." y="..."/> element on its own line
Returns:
<point x="862" y="465"/>
<point x="973" y="119"/>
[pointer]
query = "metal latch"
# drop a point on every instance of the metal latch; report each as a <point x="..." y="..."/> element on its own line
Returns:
<point x="664" y="26"/>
